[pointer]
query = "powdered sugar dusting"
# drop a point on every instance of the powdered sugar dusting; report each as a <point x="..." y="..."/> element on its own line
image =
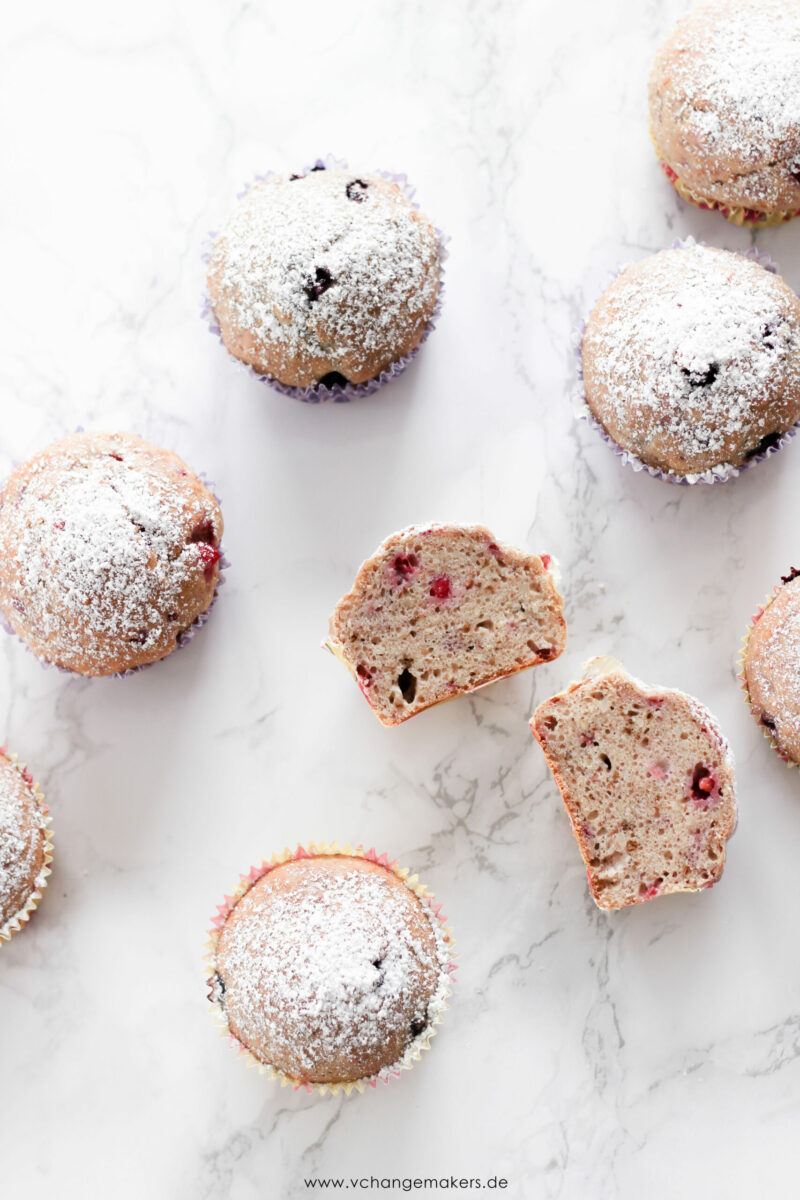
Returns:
<point x="693" y="353"/>
<point x="107" y="541"/>
<point x="331" y="970"/>
<point x="22" y="823"/>
<point x="327" y="266"/>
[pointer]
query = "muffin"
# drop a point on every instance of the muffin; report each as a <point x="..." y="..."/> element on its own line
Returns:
<point x="771" y="667"/>
<point x="324" y="279"/>
<point x="725" y="109"/>
<point x="440" y="610"/>
<point x="109" y="552"/>
<point x="25" y="849"/>
<point x="647" y="780"/>
<point x="331" y="969"/>
<point x="691" y="360"/>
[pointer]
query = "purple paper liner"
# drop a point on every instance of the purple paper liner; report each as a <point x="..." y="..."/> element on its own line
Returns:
<point x="183" y="638"/>
<point x="351" y="391"/>
<point x="718" y="474"/>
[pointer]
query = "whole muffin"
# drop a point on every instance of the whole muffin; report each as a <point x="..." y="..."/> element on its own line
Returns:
<point x="24" y="844"/>
<point x="725" y="108"/>
<point x="109" y="552"/>
<point x="324" y="278"/>
<point x="771" y="668"/>
<point x="330" y="969"/>
<point x="691" y="359"/>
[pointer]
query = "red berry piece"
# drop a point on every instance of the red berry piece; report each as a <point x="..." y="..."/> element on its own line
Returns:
<point x="440" y="587"/>
<point x="208" y="556"/>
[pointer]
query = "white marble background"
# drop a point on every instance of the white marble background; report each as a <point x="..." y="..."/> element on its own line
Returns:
<point x="651" y="1052"/>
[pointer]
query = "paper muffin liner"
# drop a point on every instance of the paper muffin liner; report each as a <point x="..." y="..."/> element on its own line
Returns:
<point x="414" y="1050"/>
<point x="754" y="711"/>
<point x="737" y="215"/>
<point x="183" y="638"/>
<point x="718" y="474"/>
<point x="14" y="924"/>
<point x="338" y="393"/>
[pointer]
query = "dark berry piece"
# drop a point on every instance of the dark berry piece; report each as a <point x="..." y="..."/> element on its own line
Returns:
<point x="404" y="565"/>
<point x="417" y="1027"/>
<point x="408" y="685"/>
<point x="703" y="783"/>
<point x="769" y="335"/>
<point x="112" y="454"/>
<point x="766" y="443"/>
<point x="357" y="190"/>
<point x="138" y="638"/>
<point x="793" y="573"/>
<point x="606" y="761"/>
<point x="794" y="170"/>
<point x="203" y="531"/>
<point x="333" y="379"/>
<point x="702" y="378"/>
<point x="767" y="722"/>
<point x="319" y="284"/>
<point x="318" y="166"/>
<point x="293" y="177"/>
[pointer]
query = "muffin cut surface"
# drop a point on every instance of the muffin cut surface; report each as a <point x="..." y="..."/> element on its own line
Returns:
<point x="440" y="610"/>
<point x="647" y="780"/>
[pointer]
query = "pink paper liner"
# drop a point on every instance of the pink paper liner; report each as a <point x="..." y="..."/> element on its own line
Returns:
<point x="718" y="474"/>
<point x="183" y="638"/>
<point x="351" y="391"/>
<point x="755" y="712"/>
<point x="17" y="921"/>
<point x="736" y="214"/>
<point x="315" y="850"/>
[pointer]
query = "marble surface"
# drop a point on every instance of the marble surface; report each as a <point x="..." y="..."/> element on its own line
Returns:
<point x="584" y="1055"/>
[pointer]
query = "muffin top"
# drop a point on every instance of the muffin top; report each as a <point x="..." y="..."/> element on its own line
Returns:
<point x="324" y="272"/>
<point x="772" y="667"/>
<point x="108" y="552"/>
<point x="691" y="359"/>
<point x="22" y="838"/>
<point x="330" y="968"/>
<point x="725" y="102"/>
